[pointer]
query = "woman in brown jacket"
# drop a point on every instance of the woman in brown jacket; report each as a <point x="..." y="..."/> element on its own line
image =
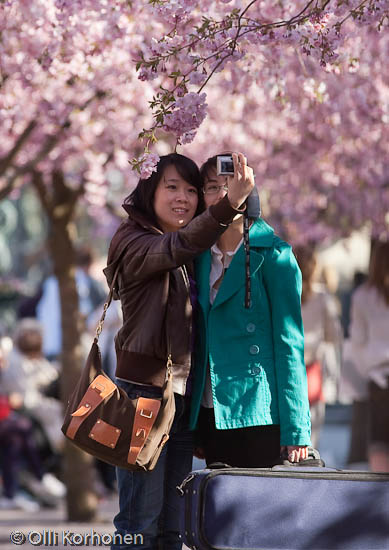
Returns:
<point x="155" y="247"/>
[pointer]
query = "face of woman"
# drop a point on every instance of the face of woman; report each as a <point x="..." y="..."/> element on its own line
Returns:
<point x="175" y="201"/>
<point x="215" y="187"/>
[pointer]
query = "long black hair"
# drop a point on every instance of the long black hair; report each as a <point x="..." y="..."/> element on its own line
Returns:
<point x="379" y="269"/>
<point x="142" y="197"/>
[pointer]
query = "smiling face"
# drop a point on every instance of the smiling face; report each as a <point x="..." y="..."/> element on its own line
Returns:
<point x="175" y="201"/>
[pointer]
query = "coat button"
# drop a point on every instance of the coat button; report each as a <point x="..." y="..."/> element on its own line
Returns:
<point x="250" y="327"/>
<point x="254" y="349"/>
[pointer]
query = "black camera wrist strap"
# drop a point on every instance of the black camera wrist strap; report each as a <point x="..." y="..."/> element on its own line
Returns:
<point x="246" y="244"/>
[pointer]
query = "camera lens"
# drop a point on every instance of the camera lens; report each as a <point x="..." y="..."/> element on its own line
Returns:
<point x="227" y="166"/>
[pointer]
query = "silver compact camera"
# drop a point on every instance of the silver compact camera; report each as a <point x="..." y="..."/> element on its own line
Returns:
<point x="224" y="165"/>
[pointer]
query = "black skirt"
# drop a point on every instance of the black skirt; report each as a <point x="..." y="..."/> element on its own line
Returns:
<point x="253" y="447"/>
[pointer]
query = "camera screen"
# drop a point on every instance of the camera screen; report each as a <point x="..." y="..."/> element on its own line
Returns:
<point x="225" y="165"/>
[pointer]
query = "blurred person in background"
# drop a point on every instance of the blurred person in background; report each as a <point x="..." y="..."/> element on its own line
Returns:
<point x="359" y="277"/>
<point x="48" y="310"/>
<point x="352" y="385"/>
<point x="323" y="340"/>
<point x="369" y="343"/>
<point x="29" y="374"/>
<point x="19" y="450"/>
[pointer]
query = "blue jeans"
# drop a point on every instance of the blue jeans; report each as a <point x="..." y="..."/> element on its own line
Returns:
<point x="149" y="502"/>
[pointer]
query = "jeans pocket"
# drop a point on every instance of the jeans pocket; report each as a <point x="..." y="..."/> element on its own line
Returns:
<point x="139" y="390"/>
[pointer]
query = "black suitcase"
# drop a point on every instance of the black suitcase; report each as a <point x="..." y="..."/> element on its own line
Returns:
<point x="285" y="508"/>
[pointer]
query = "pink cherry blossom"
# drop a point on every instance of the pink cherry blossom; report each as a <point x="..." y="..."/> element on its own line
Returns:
<point x="149" y="165"/>
<point x="187" y="114"/>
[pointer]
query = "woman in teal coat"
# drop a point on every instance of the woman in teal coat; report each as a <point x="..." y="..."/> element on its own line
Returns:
<point x="249" y="397"/>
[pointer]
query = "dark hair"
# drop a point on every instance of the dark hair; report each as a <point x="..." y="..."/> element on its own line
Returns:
<point x="306" y="259"/>
<point x="379" y="269"/>
<point x="28" y="337"/>
<point x="207" y="167"/>
<point x="142" y="198"/>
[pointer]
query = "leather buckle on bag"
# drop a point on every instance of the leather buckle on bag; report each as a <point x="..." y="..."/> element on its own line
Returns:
<point x="145" y="415"/>
<point x="99" y="388"/>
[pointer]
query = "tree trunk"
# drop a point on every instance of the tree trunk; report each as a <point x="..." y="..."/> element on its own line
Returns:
<point x="79" y="472"/>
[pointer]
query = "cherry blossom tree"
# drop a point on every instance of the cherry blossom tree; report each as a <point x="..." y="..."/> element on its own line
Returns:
<point x="310" y="69"/>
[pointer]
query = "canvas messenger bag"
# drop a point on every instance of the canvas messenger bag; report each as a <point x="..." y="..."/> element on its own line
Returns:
<point x="103" y="421"/>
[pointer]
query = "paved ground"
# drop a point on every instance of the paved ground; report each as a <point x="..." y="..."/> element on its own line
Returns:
<point x="52" y="521"/>
<point x="44" y="526"/>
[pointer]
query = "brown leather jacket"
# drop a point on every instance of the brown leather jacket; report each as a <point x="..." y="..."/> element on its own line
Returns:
<point x="153" y="287"/>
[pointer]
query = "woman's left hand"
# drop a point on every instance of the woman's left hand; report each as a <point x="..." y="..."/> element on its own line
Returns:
<point x="295" y="453"/>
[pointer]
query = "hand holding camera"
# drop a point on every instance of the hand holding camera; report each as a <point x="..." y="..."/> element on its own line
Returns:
<point x="241" y="177"/>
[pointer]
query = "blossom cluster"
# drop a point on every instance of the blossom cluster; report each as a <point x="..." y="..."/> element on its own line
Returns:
<point x="188" y="112"/>
<point x="148" y="166"/>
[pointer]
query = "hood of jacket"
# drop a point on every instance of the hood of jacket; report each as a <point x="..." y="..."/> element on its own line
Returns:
<point x="122" y="239"/>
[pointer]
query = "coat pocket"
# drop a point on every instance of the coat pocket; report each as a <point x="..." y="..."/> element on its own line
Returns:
<point x="245" y="391"/>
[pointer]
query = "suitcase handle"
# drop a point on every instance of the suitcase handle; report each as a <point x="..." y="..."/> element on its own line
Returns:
<point x="218" y="466"/>
<point x="313" y="459"/>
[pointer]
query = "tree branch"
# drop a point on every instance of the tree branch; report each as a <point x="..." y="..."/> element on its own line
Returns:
<point x="47" y="147"/>
<point x="64" y="198"/>
<point x="41" y="189"/>
<point x="6" y="161"/>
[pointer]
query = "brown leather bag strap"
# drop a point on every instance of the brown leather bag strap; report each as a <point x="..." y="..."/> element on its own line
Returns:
<point x="101" y="388"/>
<point x="145" y="416"/>
<point x="110" y="295"/>
<point x="108" y="301"/>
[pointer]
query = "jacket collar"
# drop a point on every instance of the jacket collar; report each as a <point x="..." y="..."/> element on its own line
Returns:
<point x="140" y="219"/>
<point x="261" y="236"/>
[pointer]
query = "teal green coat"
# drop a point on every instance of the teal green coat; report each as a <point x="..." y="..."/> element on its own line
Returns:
<point x="256" y="355"/>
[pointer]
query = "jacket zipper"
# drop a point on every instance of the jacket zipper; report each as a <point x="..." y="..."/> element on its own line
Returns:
<point x="314" y="473"/>
<point x="186" y="278"/>
<point x="187" y="284"/>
